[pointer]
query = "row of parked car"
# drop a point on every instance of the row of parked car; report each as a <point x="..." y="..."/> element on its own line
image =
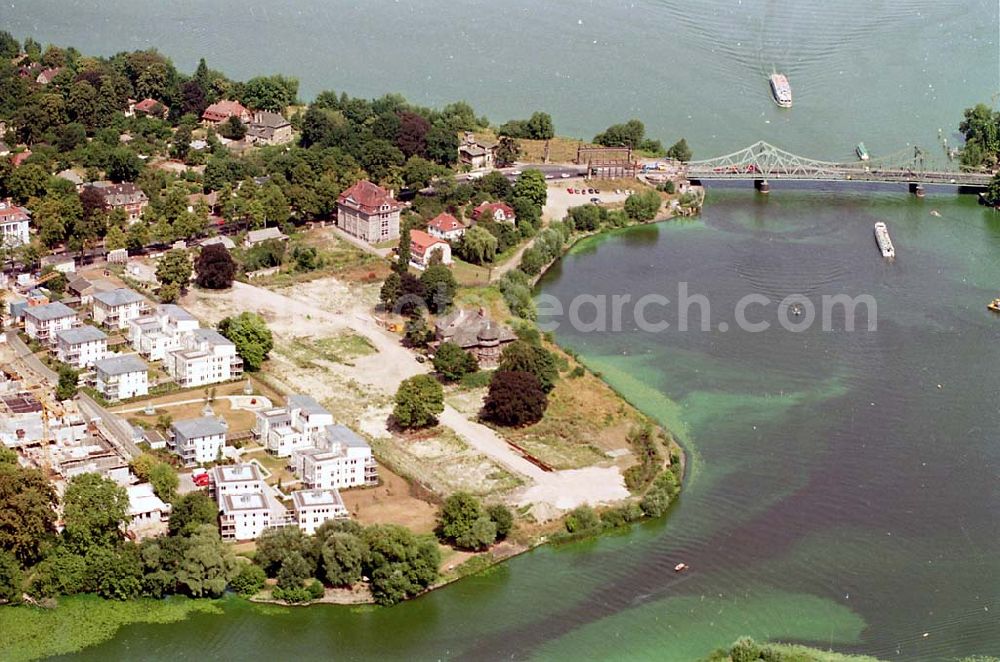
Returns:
<point x="585" y="191"/>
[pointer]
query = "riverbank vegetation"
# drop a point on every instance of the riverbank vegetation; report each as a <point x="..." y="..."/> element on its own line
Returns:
<point x="748" y="650"/>
<point x="980" y="127"/>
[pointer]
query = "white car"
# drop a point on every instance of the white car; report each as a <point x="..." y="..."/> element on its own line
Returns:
<point x="548" y="176"/>
<point x="515" y="172"/>
<point x="565" y="175"/>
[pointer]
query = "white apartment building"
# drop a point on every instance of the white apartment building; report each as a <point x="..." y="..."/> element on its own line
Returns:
<point x="243" y="516"/>
<point x="42" y="322"/>
<point x="313" y="507"/>
<point x="161" y="332"/>
<point x="339" y="459"/>
<point x="149" y="515"/>
<point x="14" y="223"/>
<point x="197" y="440"/>
<point x="122" y="377"/>
<point x="228" y="480"/>
<point x="116" y="308"/>
<point x="82" y="346"/>
<point x="286" y="429"/>
<point x="206" y="357"/>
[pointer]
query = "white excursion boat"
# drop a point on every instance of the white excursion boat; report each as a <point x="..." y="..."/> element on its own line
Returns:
<point x="781" y="90"/>
<point x="883" y="240"/>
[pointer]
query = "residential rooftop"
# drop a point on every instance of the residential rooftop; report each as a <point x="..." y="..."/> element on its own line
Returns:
<point x="121" y="365"/>
<point x="81" y="334"/>
<point x="119" y="297"/>
<point x="206" y="426"/>
<point x="49" y="311"/>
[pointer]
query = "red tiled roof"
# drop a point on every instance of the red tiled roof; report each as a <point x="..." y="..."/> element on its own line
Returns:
<point x="223" y="110"/>
<point x="20" y="157"/>
<point x="492" y="208"/>
<point x="48" y="74"/>
<point x="12" y="214"/>
<point x="420" y="241"/>
<point x="368" y="198"/>
<point x="445" y="222"/>
<point x="147" y="105"/>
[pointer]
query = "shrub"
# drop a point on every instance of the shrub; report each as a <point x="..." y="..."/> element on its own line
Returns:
<point x="249" y="581"/>
<point x="502" y="518"/>
<point x="582" y="519"/>
<point x="453" y="362"/>
<point x="215" y="268"/>
<point x="522" y="356"/>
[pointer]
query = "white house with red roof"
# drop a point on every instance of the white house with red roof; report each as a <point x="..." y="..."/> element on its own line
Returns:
<point x="423" y="246"/>
<point x="500" y="212"/>
<point x="220" y="111"/>
<point x="153" y="108"/>
<point x="369" y="212"/>
<point x="445" y="226"/>
<point x="13" y="225"/>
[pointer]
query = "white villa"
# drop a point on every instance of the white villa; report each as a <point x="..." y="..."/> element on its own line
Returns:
<point x="122" y="377"/>
<point x="313" y="507"/>
<point x="243" y="516"/>
<point x="233" y="479"/>
<point x="115" y="309"/>
<point x="286" y="429"/>
<point x="42" y="322"/>
<point x="205" y="357"/>
<point x="14" y="222"/>
<point x="339" y="459"/>
<point x="197" y="440"/>
<point x="162" y="331"/>
<point x="82" y="346"/>
<point x="369" y="212"/>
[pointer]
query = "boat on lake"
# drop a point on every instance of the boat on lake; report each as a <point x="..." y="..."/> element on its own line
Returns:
<point x="781" y="90"/>
<point x="994" y="305"/>
<point x="680" y="567"/>
<point x="862" y="151"/>
<point x="883" y="240"/>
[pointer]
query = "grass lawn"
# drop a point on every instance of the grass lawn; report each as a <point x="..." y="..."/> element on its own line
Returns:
<point x="339" y="258"/>
<point x="341" y="348"/>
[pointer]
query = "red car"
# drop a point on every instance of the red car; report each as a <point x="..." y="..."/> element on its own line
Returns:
<point x="201" y="480"/>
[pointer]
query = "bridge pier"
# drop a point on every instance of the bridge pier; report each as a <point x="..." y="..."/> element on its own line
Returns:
<point x="762" y="186"/>
<point x="917" y="189"/>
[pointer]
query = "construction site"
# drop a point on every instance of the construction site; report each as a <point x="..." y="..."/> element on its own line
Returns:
<point x="63" y="439"/>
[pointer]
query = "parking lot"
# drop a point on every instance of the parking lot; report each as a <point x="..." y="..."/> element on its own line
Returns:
<point x="560" y="199"/>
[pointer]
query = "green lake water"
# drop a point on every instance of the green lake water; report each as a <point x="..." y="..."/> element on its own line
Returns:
<point x="837" y="495"/>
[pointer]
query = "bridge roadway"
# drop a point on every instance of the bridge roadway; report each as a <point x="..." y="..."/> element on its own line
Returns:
<point x="966" y="179"/>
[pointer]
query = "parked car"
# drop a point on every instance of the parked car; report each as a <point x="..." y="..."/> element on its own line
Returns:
<point x="596" y="201"/>
<point x="571" y="190"/>
<point x="565" y="175"/>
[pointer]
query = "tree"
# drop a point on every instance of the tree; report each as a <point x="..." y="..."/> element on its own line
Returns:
<point x="442" y="145"/>
<point x="249" y="581"/>
<point x="643" y="206"/>
<point x="402" y="263"/>
<point x="463" y="522"/>
<point x="95" y="510"/>
<point x="27" y="512"/>
<point x="181" y="143"/>
<point x="502" y="518"/>
<point x="123" y="165"/>
<point x="416" y="333"/>
<point x="67" y="382"/>
<point x="233" y="128"/>
<point x="411" y="138"/>
<point x="439" y="287"/>
<point x="680" y="151"/>
<point x="514" y="399"/>
<point x="508" y="151"/>
<point x="992" y="194"/>
<point x="273" y="93"/>
<point x="478" y="245"/>
<point x="391" y="289"/>
<point x="400" y="564"/>
<point x="294" y="570"/>
<point x="530" y="184"/>
<point x="252" y="338"/>
<point x="11" y="577"/>
<point x="208" y="564"/>
<point x="453" y="362"/>
<point x="274" y="545"/>
<point x="190" y="511"/>
<point x="164" y="480"/>
<point x="174" y="268"/>
<point x="411" y="300"/>
<point x="343" y="556"/>
<point x="540" y="127"/>
<point x="215" y="267"/>
<point x="113" y="572"/>
<point x="419" y="400"/>
<point x="522" y="356"/>
<point x="9" y="47"/>
<point x="29" y="181"/>
<point x="629" y="134"/>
